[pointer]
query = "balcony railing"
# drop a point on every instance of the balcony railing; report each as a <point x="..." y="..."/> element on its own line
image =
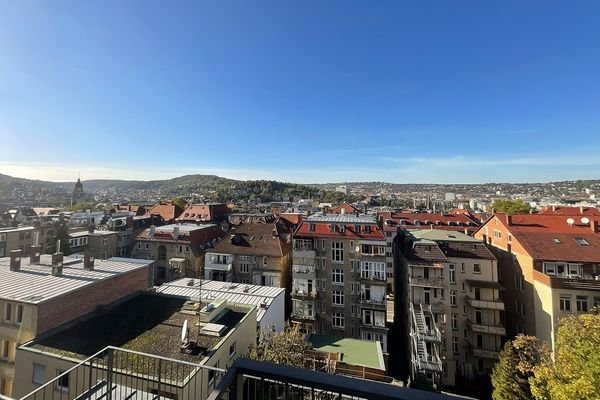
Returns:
<point x="303" y="269"/>
<point x="426" y="282"/>
<point x="219" y="267"/>
<point x="369" y="300"/>
<point x="114" y="374"/>
<point x="302" y="294"/>
<point x="365" y="276"/>
<point x="250" y="379"/>
<point x="486" y="328"/>
<point x="495" y="304"/>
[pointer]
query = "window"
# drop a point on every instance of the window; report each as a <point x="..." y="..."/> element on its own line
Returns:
<point x="311" y="227"/>
<point x="455" y="344"/>
<point x="337" y="298"/>
<point x="454" y="321"/>
<point x="550" y="268"/>
<point x="338" y="320"/>
<point x="367" y="317"/>
<point x="581" y="241"/>
<point x="244" y="267"/>
<point x="509" y="238"/>
<point x="497" y="234"/>
<point x="19" y="319"/>
<point x="476" y="269"/>
<point x="519" y="282"/>
<point x="8" y="312"/>
<point x="211" y="376"/>
<point x="372" y="270"/>
<point x="355" y="287"/>
<point x="337" y="252"/>
<point x="354" y="309"/>
<point x="565" y="302"/>
<point x="4" y="349"/>
<point x="62" y="383"/>
<point x="453" y="298"/>
<point x="39" y="374"/>
<point x="596" y="302"/>
<point x="232" y="350"/>
<point x="451" y="272"/>
<point x="337" y="276"/>
<point x="582" y="303"/>
<point x="105" y="240"/>
<point x="355" y="265"/>
<point x="462" y="267"/>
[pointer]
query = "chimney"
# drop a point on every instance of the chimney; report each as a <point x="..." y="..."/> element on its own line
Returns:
<point x="176" y="233"/>
<point x="57" y="264"/>
<point x="553" y="208"/>
<point x="88" y="261"/>
<point x="152" y="231"/>
<point x="581" y="210"/>
<point x="594" y="225"/>
<point x="15" y="260"/>
<point x="91" y="229"/>
<point x="34" y="254"/>
<point x="508" y="219"/>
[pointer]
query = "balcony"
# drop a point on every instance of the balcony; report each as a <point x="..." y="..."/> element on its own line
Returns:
<point x="425" y="282"/>
<point x="306" y="253"/>
<point x="484" y="328"/>
<point x="304" y="269"/>
<point x="304" y="295"/>
<point x="300" y="316"/>
<point x="375" y="303"/>
<point x="250" y="379"/>
<point x="219" y="267"/>
<point x="115" y="373"/>
<point x="496" y="304"/>
<point x="373" y="278"/>
<point x="481" y="353"/>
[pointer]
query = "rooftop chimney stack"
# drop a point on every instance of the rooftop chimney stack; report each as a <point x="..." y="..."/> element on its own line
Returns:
<point x="508" y="219"/>
<point x="15" y="260"/>
<point x="91" y="229"/>
<point x="57" y="264"/>
<point x="553" y="208"/>
<point x="88" y="261"/>
<point x="581" y="210"/>
<point x="34" y="255"/>
<point x="176" y="232"/>
<point x="152" y="231"/>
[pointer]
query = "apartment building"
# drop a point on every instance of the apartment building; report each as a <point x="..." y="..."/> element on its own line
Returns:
<point x="152" y="354"/>
<point x="177" y="249"/>
<point x="449" y="303"/>
<point x="549" y="265"/>
<point x="22" y="238"/>
<point x="392" y="221"/>
<point x="339" y="281"/>
<point x="41" y="292"/>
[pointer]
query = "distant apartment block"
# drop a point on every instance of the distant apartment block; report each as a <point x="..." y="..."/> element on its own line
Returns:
<point x="40" y="292"/>
<point x="449" y="304"/>
<point x="550" y="267"/>
<point x="177" y="249"/>
<point x="339" y="277"/>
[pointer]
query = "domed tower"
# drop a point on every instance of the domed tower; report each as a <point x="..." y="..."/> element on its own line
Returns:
<point x="78" y="193"/>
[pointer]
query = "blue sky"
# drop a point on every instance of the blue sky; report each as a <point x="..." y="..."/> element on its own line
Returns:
<point x="305" y="91"/>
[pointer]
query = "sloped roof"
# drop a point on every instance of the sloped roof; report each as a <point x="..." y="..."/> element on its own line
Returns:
<point x="254" y="239"/>
<point x="322" y="227"/>
<point x="572" y="211"/>
<point x="167" y="211"/>
<point x="422" y="220"/>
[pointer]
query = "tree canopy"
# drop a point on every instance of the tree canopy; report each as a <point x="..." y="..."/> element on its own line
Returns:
<point x="180" y="202"/>
<point x="510" y="377"/>
<point x="60" y="232"/>
<point x="287" y="347"/>
<point x="518" y="206"/>
<point x="575" y="371"/>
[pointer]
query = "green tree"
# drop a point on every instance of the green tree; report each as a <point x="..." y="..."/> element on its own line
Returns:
<point x="79" y="207"/>
<point x="60" y="232"/>
<point x="287" y="347"/>
<point x="180" y="201"/>
<point x="510" y="377"/>
<point x="518" y="206"/>
<point x="575" y="371"/>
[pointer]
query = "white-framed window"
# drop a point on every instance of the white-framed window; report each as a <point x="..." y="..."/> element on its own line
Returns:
<point x="146" y="246"/>
<point x="337" y="276"/>
<point x="355" y="287"/>
<point x="581" y="303"/>
<point x="550" y="268"/>
<point x="62" y="383"/>
<point x="476" y="268"/>
<point x="338" y="320"/>
<point x="39" y="374"/>
<point x="453" y="298"/>
<point x="454" y="321"/>
<point x="462" y="267"/>
<point x="337" y="252"/>
<point x="455" y="344"/>
<point x="337" y="298"/>
<point x="354" y="265"/>
<point x="367" y="317"/>
<point x="565" y="302"/>
<point x="497" y="234"/>
<point x="244" y="267"/>
<point x="451" y="272"/>
<point x="372" y="270"/>
<point x="354" y="309"/>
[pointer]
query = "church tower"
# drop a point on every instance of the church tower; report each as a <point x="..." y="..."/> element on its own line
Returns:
<point x="78" y="193"/>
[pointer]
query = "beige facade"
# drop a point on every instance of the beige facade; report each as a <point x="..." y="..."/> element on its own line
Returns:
<point x="23" y="238"/>
<point x="339" y="278"/>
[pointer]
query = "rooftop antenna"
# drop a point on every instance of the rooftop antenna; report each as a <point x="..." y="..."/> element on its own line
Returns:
<point x="199" y="298"/>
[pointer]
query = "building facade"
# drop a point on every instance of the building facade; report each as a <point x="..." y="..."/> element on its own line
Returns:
<point x="339" y="277"/>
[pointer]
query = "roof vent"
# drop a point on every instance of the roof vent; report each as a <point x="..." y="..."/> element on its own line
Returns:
<point x="15" y="260"/>
<point x="57" y="264"/>
<point x="585" y="220"/>
<point x="570" y="221"/>
<point x="88" y="261"/>
<point x="34" y="254"/>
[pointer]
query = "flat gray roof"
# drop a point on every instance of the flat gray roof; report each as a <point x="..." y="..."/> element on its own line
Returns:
<point x="342" y="218"/>
<point x="35" y="284"/>
<point x="236" y="293"/>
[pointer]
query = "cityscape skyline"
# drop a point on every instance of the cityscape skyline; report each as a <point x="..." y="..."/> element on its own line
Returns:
<point x="401" y="92"/>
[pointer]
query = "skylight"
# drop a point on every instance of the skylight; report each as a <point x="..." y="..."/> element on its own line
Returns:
<point x="557" y="241"/>
<point x="582" y="241"/>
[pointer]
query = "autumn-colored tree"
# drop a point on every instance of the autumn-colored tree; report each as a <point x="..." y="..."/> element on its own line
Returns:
<point x="511" y="374"/>
<point x="287" y="347"/>
<point x="575" y="371"/>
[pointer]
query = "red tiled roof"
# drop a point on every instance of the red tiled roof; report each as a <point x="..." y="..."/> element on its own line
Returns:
<point x="551" y="237"/>
<point x="168" y="211"/>
<point x="292" y="218"/>
<point x="456" y="222"/>
<point x="322" y="229"/>
<point x="348" y="209"/>
<point x="259" y="239"/>
<point x="559" y="210"/>
<point x="204" y="212"/>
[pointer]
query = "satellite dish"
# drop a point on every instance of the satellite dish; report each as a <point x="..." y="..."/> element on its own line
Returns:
<point x="585" y="220"/>
<point x="570" y="221"/>
<point x="357" y="249"/>
<point x="185" y="332"/>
